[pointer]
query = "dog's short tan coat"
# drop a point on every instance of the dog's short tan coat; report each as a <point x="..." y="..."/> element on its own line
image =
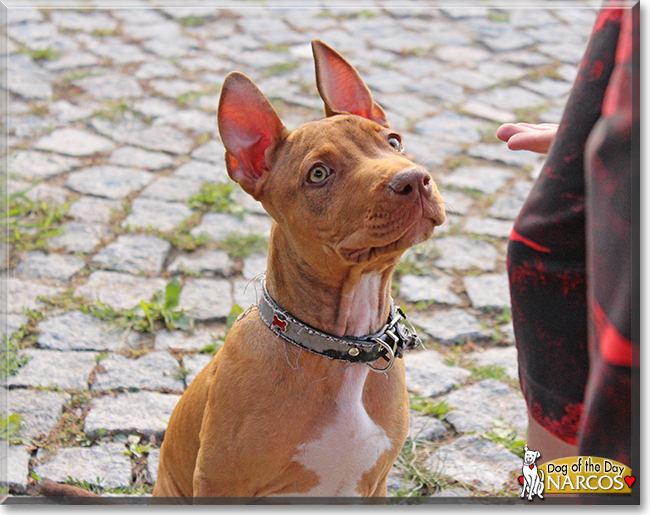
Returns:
<point x="264" y="417"/>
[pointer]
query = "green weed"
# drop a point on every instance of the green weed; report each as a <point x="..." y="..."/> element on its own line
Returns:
<point x="43" y="54"/>
<point x="217" y="197"/>
<point x="437" y="409"/>
<point x="489" y="372"/>
<point x="163" y="307"/>
<point x="192" y="21"/>
<point x="281" y="68"/>
<point x="504" y="434"/>
<point x="85" y="485"/>
<point x="30" y="224"/>
<point x="134" y="445"/>
<point x="239" y="246"/>
<point x="217" y="343"/>
<point x="9" y="425"/>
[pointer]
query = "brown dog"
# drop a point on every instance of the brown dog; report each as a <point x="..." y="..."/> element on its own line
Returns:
<point x="286" y="407"/>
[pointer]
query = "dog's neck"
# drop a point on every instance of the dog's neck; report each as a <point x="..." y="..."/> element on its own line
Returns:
<point x="347" y="301"/>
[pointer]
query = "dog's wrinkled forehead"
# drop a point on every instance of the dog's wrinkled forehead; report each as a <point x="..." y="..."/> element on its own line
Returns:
<point x="341" y="137"/>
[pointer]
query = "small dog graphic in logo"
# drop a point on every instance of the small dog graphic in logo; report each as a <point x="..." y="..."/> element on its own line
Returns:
<point x="531" y="480"/>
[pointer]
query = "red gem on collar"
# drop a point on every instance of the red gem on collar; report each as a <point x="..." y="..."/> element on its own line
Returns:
<point x="280" y="324"/>
<point x="531" y="466"/>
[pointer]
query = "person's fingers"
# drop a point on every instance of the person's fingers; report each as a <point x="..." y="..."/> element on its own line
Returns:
<point x="534" y="141"/>
<point x="506" y="131"/>
<point x="528" y="136"/>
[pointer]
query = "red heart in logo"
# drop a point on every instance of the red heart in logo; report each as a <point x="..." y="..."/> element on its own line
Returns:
<point x="531" y="467"/>
<point x="521" y="479"/>
<point x="629" y="480"/>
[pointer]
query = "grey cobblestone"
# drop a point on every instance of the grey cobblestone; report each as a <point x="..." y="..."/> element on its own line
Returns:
<point x="94" y="209"/>
<point x="461" y="253"/>
<point x="74" y="142"/>
<point x="48" y="267"/>
<point x="121" y="291"/>
<point x="462" y="458"/>
<point x="114" y="111"/>
<point x="180" y="340"/>
<point x="221" y="225"/>
<point x="194" y="364"/>
<point x="468" y="413"/>
<point x="40" y="410"/>
<point x="139" y="158"/>
<point x="17" y="467"/>
<point x="207" y="299"/>
<point x="488" y="291"/>
<point x="153" y="371"/>
<point x="39" y="165"/>
<point x="51" y="369"/>
<point x="504" y="357"/>
<point x="147" y="412"/>
<point x="75" y="330"/>
<point x="79" y="237"/>
<point x="427" y="374"/>
<point x="134" y="254"/>
<point x="22" y="294"/>
<point x="160" y="215"/>
<point x="417" y="288"/>
<point x="105" y="462"/>
<point x="450" y="326"/>
<point x="108" y="181"/>
<point x="486" y="179"/>
<point x="214" y="262"/>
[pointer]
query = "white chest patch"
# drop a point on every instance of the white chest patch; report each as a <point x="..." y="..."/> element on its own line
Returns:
<point x="347" y="448"/>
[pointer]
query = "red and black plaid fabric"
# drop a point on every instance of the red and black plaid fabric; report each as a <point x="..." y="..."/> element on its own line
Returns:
<point x="571" y="252"/>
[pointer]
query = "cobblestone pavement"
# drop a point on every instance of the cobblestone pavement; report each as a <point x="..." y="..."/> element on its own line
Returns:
<point x="116" y="187"/>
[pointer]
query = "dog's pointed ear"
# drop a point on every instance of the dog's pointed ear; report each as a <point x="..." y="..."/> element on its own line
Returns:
<point x="538" y="454"/>
<point x="341" y="87"/>
<point x="250" y="130"/>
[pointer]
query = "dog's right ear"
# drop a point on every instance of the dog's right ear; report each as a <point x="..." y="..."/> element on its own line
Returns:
<point x="249" y="129"/>
<point x="341" y="87"/>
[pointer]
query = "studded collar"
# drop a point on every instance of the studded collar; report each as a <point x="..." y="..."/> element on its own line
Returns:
<point x="377" y="350"/>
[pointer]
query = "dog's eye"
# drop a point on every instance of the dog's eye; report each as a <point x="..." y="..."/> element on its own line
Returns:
<point x="395" y="142"/>
<point x="318" y="174"/>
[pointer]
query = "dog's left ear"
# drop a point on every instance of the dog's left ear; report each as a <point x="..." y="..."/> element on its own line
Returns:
<point x="250" y="129"/>
<point x="341" y="87"/>
<point x="538" y="454"/>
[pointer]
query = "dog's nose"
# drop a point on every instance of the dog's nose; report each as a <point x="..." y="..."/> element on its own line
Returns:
<point x="411" y="181"/>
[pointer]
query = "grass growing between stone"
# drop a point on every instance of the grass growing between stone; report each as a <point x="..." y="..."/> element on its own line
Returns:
<point x="412" y="463"/>
<point x="30" y="224"/>
<point x="9" y="425"/>
<point x="217" y="197"/>
<point x="148" y="316"/>
<point x="504" y="434"/>
<point x="145" y="317"/>
<point x="69" y="432"/>
<point x="24" y="337"/>
<point x="437" y="409"/>
<point x="42" y="54"/>
<point x="240" y="246"/>
<point x="217" y="343"/>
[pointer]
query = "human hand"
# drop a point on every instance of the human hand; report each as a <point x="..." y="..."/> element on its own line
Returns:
<point x="528" y="136"/>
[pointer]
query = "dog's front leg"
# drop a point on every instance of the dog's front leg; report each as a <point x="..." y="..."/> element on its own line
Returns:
<point x="523" y="487"/>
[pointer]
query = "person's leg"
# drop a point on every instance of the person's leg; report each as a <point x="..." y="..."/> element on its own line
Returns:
<point x="550" y="446"/>
<point x="547" y="263"/>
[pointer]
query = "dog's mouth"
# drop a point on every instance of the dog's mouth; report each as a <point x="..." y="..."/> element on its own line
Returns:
<point x="415" y="233"/>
